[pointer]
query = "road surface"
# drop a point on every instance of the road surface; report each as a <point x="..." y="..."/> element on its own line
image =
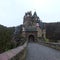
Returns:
<point x="40" y="52"/>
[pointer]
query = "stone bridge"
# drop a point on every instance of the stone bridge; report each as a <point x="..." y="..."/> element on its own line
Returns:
<point x="35" y="51"/>
<point x="40" y="52"/>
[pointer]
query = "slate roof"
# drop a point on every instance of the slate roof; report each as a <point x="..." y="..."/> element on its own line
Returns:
<point x="31" y="29"/>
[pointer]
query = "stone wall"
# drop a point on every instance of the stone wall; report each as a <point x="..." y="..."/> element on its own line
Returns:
<point x="18" y="53"/>
<point x="51" y="44"/>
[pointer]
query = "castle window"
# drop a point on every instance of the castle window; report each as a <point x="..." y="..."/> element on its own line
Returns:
<point x="27" y="15"/>
<point x="36" y="18"/>
<point x="37" y="24"/>
<point x="23" y="29"/>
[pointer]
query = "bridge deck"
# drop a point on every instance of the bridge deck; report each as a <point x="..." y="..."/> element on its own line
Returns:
<point x="39" y="52"/>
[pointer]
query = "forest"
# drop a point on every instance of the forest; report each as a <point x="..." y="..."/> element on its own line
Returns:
<point x="53" y="31"/>
<point x="5" y="37"/>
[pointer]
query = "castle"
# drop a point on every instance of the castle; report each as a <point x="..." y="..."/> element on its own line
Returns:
<point x="33" y="28"/>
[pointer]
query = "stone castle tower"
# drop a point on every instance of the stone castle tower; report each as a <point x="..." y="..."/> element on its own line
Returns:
<point x="33" y="28"/>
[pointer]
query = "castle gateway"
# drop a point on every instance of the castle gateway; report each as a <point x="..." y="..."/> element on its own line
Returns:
<point x="33" y="28"/>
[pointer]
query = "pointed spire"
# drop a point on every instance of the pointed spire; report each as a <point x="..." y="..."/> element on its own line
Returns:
<point x="35" y="14"/>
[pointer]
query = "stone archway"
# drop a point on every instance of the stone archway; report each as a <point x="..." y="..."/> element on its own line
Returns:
<point x="31" y="38"/>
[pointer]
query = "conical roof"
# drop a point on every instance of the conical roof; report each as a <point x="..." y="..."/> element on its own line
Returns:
<point x="35" y="14"/>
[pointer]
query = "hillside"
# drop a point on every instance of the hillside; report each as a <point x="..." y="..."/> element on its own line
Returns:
<point x="5" y="38"/>
<point x="10" y="37"/>
<point x="53" y="31"/>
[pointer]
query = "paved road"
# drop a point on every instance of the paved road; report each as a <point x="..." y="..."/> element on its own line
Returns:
<point x="39" y="52"/>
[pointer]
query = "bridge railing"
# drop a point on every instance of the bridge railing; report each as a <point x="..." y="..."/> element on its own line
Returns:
<point x="53" y="45"/>
<point x="18" y="53"/>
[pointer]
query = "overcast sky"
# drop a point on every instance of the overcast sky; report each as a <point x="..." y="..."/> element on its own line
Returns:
<point x="12" y="11"/>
